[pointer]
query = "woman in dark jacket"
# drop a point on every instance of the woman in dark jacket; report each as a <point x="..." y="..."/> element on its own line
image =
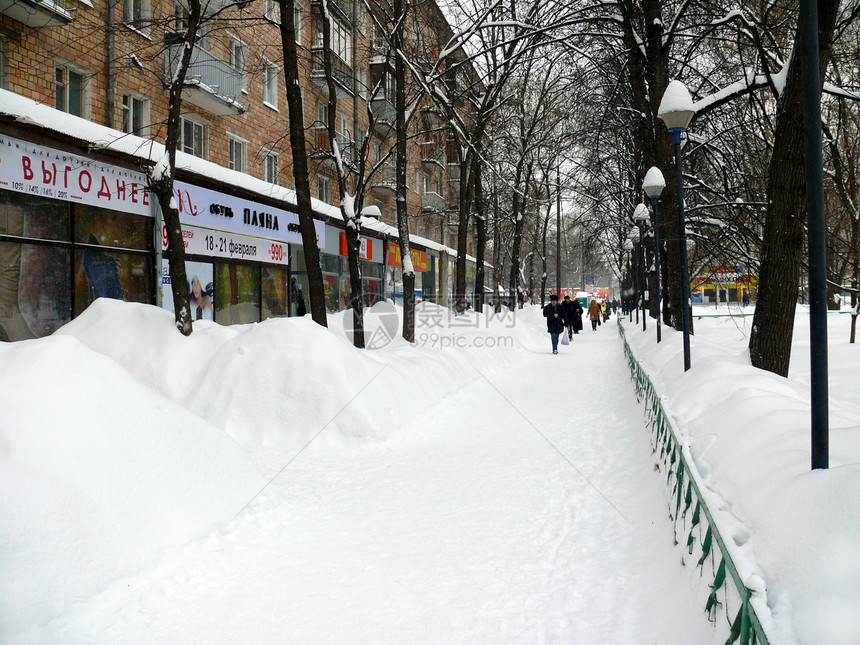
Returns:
<point x="555" y="321"/>
<point x="572" y="316"/>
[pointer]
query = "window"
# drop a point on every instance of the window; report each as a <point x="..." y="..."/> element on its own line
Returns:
<point x="416" y="185"/>
<point x="270" y="167"/>
<point x="194" y="139"/>
<point x="135" y="115"/>
<point x="427" y="184"/>
<point x="272" y="10"/>
<point x="135" y="13"/>
<point x="324" y="189"/>
<point x="239" y="59"/>
<point x="341" y="39"/>
<point x="238" y="154"/>
<point x="362" y="83"/>
<point x="180" y="24"/>
<point x="322" y="115"/>
<point x="427" y="230"/>
<point x="69" y="91"/>
<point x="298" y="10"/>
<point x="270" y="84"/>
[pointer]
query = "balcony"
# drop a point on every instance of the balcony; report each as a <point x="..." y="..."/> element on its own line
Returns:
<point x="432" y="155"/>
<point x="322" y="153"/>
<point x="37" y="13"/>
<point x="453" y="173"/>
<point x="384" y="116"/>
<point x="211" y="84"/>
<point x="432" y="202"/>
<point x="433" y="116"/>
<point x="384" y="180"/>
<point x="343" y="75"/>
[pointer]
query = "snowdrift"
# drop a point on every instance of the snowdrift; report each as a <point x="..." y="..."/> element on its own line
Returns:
<point x="98" y="476"/>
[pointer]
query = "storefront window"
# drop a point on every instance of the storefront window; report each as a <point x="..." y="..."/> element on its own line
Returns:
<point x="331" y="292"/>
<point x="111" y="274"/>
<point x="95" y="225"/>
<point x="274" y="288"/>
<point x="35" y="291"/>
<point x="33" y="217"/>
<point x="429" y="281"/>
<point x="237" y="294"/>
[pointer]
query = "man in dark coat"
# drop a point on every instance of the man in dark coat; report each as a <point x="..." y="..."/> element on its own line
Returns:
<point x="555" y="321"/>
<point x="572" y="316"/>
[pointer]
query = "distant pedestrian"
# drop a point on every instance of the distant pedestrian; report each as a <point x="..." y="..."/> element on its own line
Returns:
<point x="746" y="297"/>
<point x="554" y="314"/>
<point x="614" y="305"/>
<point x="594" y="314"/>
<point x="572" y="316"/>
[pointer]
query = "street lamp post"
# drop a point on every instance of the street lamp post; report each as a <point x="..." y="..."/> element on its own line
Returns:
<point x="640" y="217"/>
<point x="818" y="381"/>
<point x="653" y="185"/>
<point x="628" y="247"/>
<point x="676" y="110"/>
<point x="634" y="239"/>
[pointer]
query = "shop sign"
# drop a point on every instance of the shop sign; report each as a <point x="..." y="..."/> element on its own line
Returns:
<point x="365" y="252"/>
<point x="220" y="244"/>
<point x="211" y="209"/>
<point x="419" y="258"/>
<point x="55" y="174"/>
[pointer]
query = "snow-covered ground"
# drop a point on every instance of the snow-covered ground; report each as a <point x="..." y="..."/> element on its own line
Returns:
<point x="268" y="483"/>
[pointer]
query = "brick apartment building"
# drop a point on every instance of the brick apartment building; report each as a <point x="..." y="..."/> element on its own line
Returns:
<point x="106" y="64"/>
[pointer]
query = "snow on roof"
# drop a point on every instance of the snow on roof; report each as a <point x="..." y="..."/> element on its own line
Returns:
<point x="149" y="152"/>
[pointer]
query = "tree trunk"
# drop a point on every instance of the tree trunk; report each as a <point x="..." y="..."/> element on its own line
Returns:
<point x="497" y="252"/>
<point x="400" y="170"/>
<point x="161" y="178"/>
<point x="348" y="206"/>
<point x="773" y="321"/>
<point x="481" y="224"/>
<point x="300" y="164"/>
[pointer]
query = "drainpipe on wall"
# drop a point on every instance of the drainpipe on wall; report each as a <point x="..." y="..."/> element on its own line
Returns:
<point x="110" y="99"/>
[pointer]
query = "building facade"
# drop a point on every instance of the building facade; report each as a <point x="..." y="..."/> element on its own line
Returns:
<point x="82" y="114"/>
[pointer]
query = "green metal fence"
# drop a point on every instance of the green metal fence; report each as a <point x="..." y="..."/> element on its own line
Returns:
<point x="703" y="540"/>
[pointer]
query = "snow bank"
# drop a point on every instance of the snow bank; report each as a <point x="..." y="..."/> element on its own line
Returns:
<point x="98" y="476"/>
<point x="749" y="434"/>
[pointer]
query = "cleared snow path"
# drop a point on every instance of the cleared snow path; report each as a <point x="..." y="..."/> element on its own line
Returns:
<point x="526" y="509"/>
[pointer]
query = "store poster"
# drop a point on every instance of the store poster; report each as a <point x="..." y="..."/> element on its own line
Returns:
<point x="200" y="287"/>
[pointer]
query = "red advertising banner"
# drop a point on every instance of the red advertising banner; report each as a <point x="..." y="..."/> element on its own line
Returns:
<point x="419" y="258"/>
<point x="365" y="252"/>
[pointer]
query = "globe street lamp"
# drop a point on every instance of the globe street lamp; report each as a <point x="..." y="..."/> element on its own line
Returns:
<point x="640" y="218"/>
<point x="628" y="247"/>
<point x="676" y="110"/>
<point x="653" y="185"/>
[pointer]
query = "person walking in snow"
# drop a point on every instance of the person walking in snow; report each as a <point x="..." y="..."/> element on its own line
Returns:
<point x="555" y="321"/>
<point x="594" y="314"/>
<point x="572" y="316"/>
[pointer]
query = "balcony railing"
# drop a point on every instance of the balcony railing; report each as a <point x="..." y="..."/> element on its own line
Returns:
<point x="210" y="83"/>
<point x="432" y="202"/>
<point x="384" y="115"/>
<point x="343" y="74"/>
<point x="37" y="13"/>
<point x="384" y="179"/>
<point x="432" y="154"/>
<point x="454" y="173"/>
<point x="322" y="150"/>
